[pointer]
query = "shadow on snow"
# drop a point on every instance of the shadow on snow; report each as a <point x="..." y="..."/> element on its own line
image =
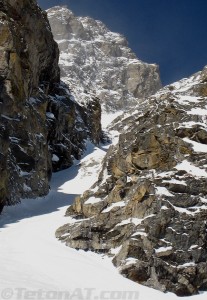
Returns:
<point x="42" y="205"/>
<point x="50" y="203"/>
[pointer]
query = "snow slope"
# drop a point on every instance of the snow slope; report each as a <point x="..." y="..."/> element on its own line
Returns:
<point x="35" y="265"/>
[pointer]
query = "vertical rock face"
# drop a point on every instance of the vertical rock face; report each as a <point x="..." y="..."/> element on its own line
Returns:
<point x="42" y="126"/>
<point x="92" y="58"/>
<point x="148" y="209"/>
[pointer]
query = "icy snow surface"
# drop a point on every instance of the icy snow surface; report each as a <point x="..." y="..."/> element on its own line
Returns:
<point x="198" y="147"/>
<point x="163" y="191"/>
<point x="191" y="169"/>
<point x="33" y="260"/>
<point x="116" y="204"/>
<point x="163" y="249"/>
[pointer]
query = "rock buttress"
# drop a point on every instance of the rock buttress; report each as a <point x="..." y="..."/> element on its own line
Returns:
<point x="148" y="209"/>
<point x="41" y="124"/>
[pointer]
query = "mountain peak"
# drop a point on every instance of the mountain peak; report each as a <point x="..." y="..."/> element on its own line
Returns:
<point x="93" y="58"/>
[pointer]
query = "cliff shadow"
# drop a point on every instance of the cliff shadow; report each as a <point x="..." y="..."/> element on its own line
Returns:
<point x="55" y="200"/>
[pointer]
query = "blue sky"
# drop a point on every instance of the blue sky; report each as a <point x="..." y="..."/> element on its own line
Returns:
<point x="171" y="33"/>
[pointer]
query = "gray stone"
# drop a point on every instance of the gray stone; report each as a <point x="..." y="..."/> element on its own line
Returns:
<point x="94" y="59"/>
<point x="153" y="220"/>
<point x="42" y="126"/>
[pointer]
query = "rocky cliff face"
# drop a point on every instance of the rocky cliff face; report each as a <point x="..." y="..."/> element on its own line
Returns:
<point x="92" y="58"/>
<point x="148" y="208"/>
<point x="42" y="125"/>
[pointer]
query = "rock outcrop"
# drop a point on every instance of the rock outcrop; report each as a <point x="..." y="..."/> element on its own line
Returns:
<point x="92" y="58"/>
<point x="148" y="209"/>
<point x="42" y="125"/>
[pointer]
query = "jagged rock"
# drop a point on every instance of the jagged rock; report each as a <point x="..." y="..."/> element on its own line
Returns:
<point x="148" y="208"/>
<point x="92" y="58"/>
<point x="42" y="125"/>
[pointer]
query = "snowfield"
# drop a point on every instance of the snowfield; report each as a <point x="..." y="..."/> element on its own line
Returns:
<point x="35" y="265"/>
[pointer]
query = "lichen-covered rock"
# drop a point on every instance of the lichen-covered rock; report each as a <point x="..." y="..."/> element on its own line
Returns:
<point x="148" y="209"/>
<point x="92" y="58"/>
<point x="42" y="125"/>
